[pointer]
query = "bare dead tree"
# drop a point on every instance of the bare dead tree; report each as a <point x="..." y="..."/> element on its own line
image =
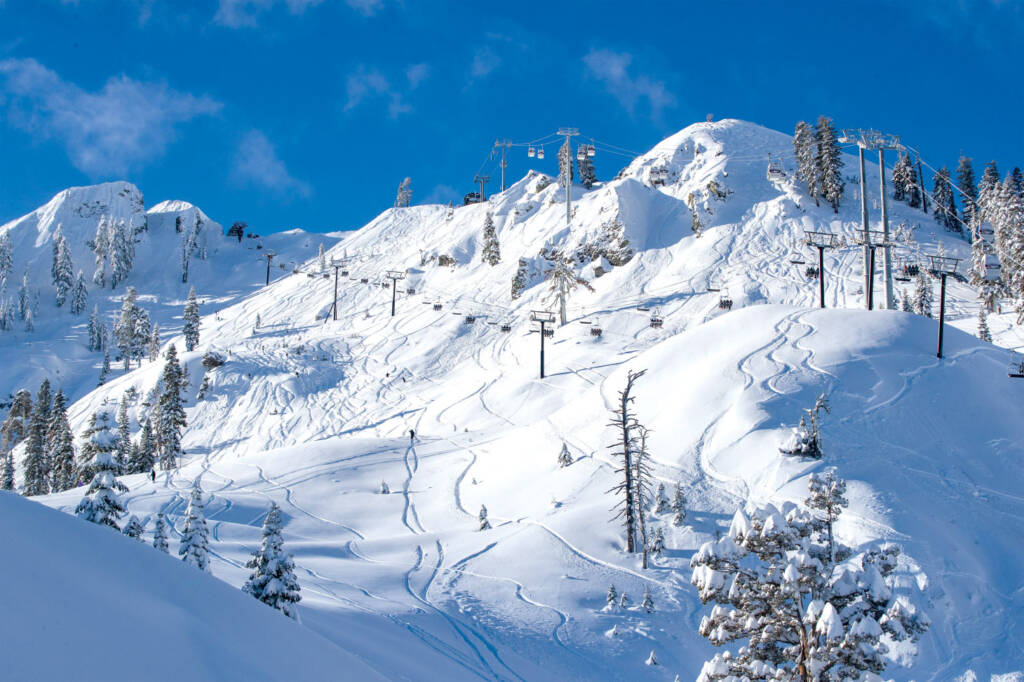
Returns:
<point x="625" y="423"/>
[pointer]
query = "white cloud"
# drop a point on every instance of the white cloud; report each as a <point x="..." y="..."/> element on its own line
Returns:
<point x="442" y="194"/>
<point x="365" y="84"/>
<point x="612" y="69"/>
<point x="122" y="126"/>
<point x="416" y="74"/>
<point x="366" y="7"/>
<point x="244" y="13"/>
<point x="485" y="60"/>
<point x="256" y="165"/>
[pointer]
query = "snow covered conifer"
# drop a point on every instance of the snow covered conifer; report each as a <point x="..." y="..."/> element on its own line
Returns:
<point x="384" y="488"/>
<point x="983" y="332"/>
<point x="988" y="192"/>
<point x="805" y="150"/>
<point x="128" y="328"/>
<point x="404" y="194"/>
<point x="24" y="297"/>
<point x="657" y="542"/>
<point x="101" y="251"/>
<point x="321" y="259"/>
<point x="79" y="295"/>
<point x="585" y="165"/>
<point x="484" y="523"/>
<point x="153" y="347"/>
<point x="123" y="441"/>
<point x="143" y="452"/>
<point x="923" y="295"/>
<point x="661" y="500"/>
<point x="36" y="463"/>
<point x="7" y="472"/>
<point x="15" y="427"/>
<point x="6" y="256"/>
<point x="134" y="529"/>
<point x="564" y="458"/>
<point x="564" y="280"/>
<point x="829" y="162"/>
<point x="969" y="191"/>
<point x="170" y="412"/>
<point x="648" y="601"/>
<point x="104" y="367"/>
<point x="491" y="252"/>
<point x="900" y="175"/>
<point x="827" y="494"/>
<point x="95" y="329"/>
<point x="99" y="445"/>
<point x="191" y="318"/>
<point x="624" y="601"/>
<point x="942" y="198"/>
<point x="795" y="614"/>
<point x="60" y="444"/>
<point x="905" y="304"/>
<point x="678" y="506"/>
<point x="160" y="534"/>
<point x="195" y="537"/>
<point x="101" y="503"/>
<point x="519" y="281"/>
<point x="613" y="596"/>
<point x="122" y="253"/>
<point x="30" y="320"/>
<point x="273" y="579"/>
<point x="62" y="271"/>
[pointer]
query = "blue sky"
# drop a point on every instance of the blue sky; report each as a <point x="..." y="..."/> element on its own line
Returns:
<point x="308" y="113"/>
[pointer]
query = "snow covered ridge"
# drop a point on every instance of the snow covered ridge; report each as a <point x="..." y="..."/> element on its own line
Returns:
<point x="483" y="547"/>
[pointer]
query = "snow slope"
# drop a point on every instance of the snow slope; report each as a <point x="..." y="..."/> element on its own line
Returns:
<point x="57" y="351"/>
<point x="91" y="604"/>
<point x="315" y="413"/>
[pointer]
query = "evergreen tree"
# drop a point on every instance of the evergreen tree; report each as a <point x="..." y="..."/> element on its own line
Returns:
<point x="62" y="271"/>
<point x="101" y="503"/>
<point x="132" y="329"/>
<point x="942" y="200"/>
<point x="404" y="195"/>
<point x="827" y="495"/>
<point x="321" y="259"/>
<point x="95" y="330"/>
<point x="194" y="549"/>
<point x="36" y="464"/>
<point x="191" y="318"/>
<point x="123" y="442"/>
<point x="15" y="427"/>
<point x="7" y="473"/>
<point x="900" y="178"/>
<point x="829" y="162"/>
<point x="564" y="458"/>
<point x="134" y="529"/>
<point x="30" y="321"/>
<point x="612" y="598"/>
<point x="983" y="332"/>
<point x="519" y="281"/>
<point x="160" y="534"/>
<point x="1007" y="211"/>
<point x="678" y="506"/>
<point x="24" y="298"/>
<point x="661" y="504"/>
<point x="101" y="251"/>
<point x="79" y="295"/>
<point x="585" y="165"/>
<point x="648" y="603"/>
<point x="923" y="295"/>
<point x="805" y="150"/>
<point x="153" y="347"/>
<point x="61" y="446"/>
<point x="6" y="256"/>
<point x="170" y="412"/>
<point x="658" y="542"/>
<point x="778" y="592"/>
<point x="105" y="367"/>
<point x="143" y="452"/>
<point x="968" y="191"/>
<point x="988" y="190"/>
<point x="491" y="249"/>
<point x="99" y="444"/>
<point x="915" y="191"/>
<point x="122" y="255"/>
<point x="273" y="579"/>
<point x="484" y="523"/>
<point x="189" y="246"/>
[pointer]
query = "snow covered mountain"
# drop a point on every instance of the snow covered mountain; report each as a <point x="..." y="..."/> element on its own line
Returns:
<point x="222" y="269"/>
<point x="315" y="414"/>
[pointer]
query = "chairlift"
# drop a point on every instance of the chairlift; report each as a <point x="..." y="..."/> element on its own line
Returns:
<point x="725" y="301"/>
<point x="311" y="275"/>
<point x="344" y="273"/>
<point x="437" y="306"/>
<point x="584" y="321"/>
<point x="470" y="319"/>
<point x="643" y="307"/>
<point x="901" y="275"/>
<point x="365" y="280"/>
<point x="531" y="152"/>
<point x="1016" y="368"/>
<point x="411" y="290"/>
<point x="656" y="320"/>
<point x="548" y="333"/>
<point x="775" y="170"/>
<point x="505" y="327"/>
<point x="326" y="275"/>
<point x="385" y="285"/>
<point x="714" y="285"/>
<point x="596" y="331"/>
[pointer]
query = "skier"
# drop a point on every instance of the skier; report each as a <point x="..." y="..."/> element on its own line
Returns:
<point x="152" y="475"/>
<point x="412" y="436"/>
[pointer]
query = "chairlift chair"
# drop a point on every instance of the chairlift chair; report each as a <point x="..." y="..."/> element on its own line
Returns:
<point x="581" y="153"/>
<point x="725" y="301"/>
<point x="365" y="280"/>
<point x="714" y="284"/>
<point x="643" y="308"/>
<point x="344" y="273"/>
<point x="775" y="170"/>
<point x="326" y="275"/>
<point x="811" y="272"/>
<point x="505" y="327"/>
<point x="470" y="319"/>
<point x="437" y="306"/>
<point x="411" y="290"/>
<point x="548" y="333"/>
<point x="595" y="331"/>
<point x="656" y="321"/>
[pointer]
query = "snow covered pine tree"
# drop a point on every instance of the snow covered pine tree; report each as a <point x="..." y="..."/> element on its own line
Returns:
<point x="273" y="579"/>
<point x="803" y="615"/>
<point x="194" y="549"/>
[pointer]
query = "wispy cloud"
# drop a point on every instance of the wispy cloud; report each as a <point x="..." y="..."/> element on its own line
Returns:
<point x="367" y="83"/>
<point x="613" y="69"/>
<point x="256" y="164"/>
<point x="441" y="194"/>
<point x="246" y="13"/>
<point x="122" y="126"/>
<point x="485" y="60"/>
